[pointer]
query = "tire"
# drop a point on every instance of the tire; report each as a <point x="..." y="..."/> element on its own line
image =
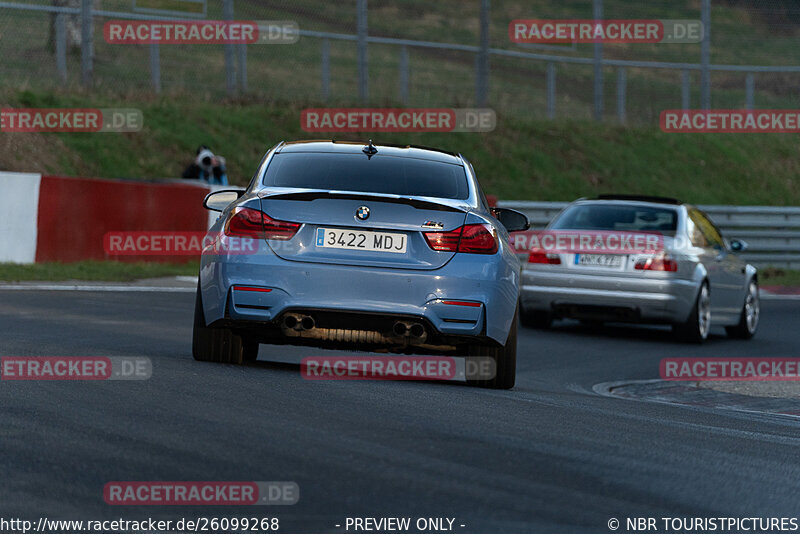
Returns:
<point x="751" y="312"/>
<point x="697" y="326"/>
<point x="539" y="319"/>
<point x="249" y="350"/>
<point x="505" y="359"/>
<point x="220" y="345"/>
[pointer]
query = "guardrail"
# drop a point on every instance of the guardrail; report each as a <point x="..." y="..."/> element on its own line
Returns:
<point x="772" y="233"/>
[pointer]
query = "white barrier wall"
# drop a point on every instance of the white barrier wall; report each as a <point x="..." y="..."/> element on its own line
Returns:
<point x="19" y="213"/>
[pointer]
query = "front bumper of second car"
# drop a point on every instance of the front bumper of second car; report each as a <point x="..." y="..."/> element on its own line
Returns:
<point x="607" y="296"/>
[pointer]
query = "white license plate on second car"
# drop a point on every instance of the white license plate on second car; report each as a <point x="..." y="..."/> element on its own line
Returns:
<point x="361" y="240"/>
<point x="612" y="261"/>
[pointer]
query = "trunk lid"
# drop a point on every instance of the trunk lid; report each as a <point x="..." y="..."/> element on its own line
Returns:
<point x="390" y="235"/>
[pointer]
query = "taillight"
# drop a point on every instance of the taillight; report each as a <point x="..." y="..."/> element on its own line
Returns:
<point x="662" y="262"/>
<point x="279" y="229"/>
<point x="245" y="222"/>
<point x="444" y="241"/>
<point x="470" y="238"/>
<point x="548" y="258"/>
<point x="248" y="222"/>
<point x="478" y="239"/>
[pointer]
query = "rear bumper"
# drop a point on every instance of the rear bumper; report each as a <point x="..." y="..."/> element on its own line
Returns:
<point x="291" y="286"/>
<point x="610" y="297"/>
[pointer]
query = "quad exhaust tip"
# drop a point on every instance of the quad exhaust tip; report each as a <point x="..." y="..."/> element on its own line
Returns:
<point x="403" y="329"/>
<point x="290" y="321"/>
<point x="298" y="322"/>
<point x="399" y="328"/>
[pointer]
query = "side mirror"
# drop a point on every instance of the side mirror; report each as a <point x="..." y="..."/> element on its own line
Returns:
<point x="513" y="220"/>
<point x="219" y="200"/>
<point x="737" y="245"/>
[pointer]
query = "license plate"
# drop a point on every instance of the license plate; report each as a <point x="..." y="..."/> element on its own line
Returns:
<point x="599" y="260"/>
<point x="362" y="240"/>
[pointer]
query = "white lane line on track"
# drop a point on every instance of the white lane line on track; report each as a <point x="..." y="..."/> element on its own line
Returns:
<point x="763" y="436"/>
<point x="771" y="296"/>
<point x="137" y="289"/>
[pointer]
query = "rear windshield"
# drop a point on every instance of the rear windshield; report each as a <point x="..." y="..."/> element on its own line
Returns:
<point x="379" y="174"/>
<point x="619" y="217"/>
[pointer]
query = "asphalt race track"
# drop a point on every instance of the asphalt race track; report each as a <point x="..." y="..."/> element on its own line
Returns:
<point x="548" y="456"/>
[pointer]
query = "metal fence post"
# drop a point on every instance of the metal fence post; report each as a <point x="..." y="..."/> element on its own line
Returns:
<point x="597" y="6"/>
<point x="403" y="75"/>
<point x="705" y="55"/>
<point x="482" y="60"/>
<point x="621" y="82"/>
<point x="551" y="90"/>
<point x="326" y="69"/>
<point x="685" y="87"/>
<point x="243" y="67"/>
<point x="363" y="74"/>
<point x="87" y="42"/>
<point x="155" y="67"/>
<point x="230" y="68"/>
<point x="749" y="86"/>
<point x="61" y="46"/>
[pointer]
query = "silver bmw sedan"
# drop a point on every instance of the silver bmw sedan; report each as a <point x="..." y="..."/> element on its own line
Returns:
<point x="638" y="259"/>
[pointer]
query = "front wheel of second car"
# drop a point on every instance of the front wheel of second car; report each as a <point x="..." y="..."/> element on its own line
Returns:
<point x="221" y="345"/>
<point x="505" y="360"/>
<point x="751" y="310"/>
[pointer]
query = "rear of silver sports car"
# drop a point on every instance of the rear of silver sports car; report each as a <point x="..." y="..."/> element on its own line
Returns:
<point x="621" y="287"/>
<point x="610" y="261"/>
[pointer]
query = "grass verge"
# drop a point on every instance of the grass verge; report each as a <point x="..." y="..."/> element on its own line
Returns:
<point x="93" y="270"/>
<point x="523" y="159"/>
<point x="772" y="276"/>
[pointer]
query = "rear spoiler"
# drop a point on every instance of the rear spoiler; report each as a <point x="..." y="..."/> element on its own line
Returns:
<point x="419" y="204"/>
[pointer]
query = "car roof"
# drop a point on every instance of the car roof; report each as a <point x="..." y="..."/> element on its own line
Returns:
<point x="632" y="201"/>
<point x="331" y="146"/>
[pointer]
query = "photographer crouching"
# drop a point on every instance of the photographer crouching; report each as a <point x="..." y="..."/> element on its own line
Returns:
<point x="207" y="167"/>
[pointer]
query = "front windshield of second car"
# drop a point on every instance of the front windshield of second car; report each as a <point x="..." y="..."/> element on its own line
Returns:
<point x="379" y="174"/>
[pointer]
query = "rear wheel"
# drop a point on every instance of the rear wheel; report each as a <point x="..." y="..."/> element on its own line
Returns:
<point x="505" y="359"/>
<point x="697" y="326"/>
<point x="748" y="322"/>
<point x="220" y="345"/>
<point x="540" y="319"/>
